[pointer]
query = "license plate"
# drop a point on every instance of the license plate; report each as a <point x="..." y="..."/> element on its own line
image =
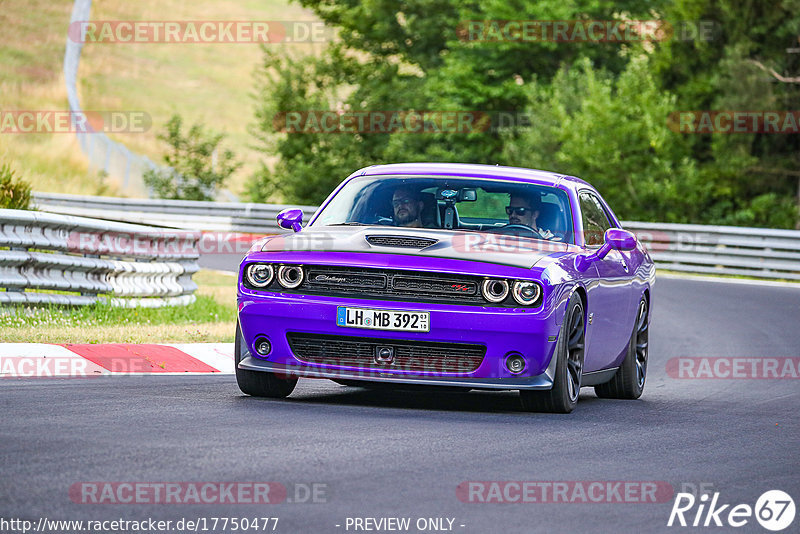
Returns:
<point x="407" y="321"/>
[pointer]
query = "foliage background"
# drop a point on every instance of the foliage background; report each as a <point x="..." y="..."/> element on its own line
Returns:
<point x="599" y="110"/>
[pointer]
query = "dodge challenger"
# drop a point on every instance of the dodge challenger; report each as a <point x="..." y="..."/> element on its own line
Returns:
<point x="467" y="276"/>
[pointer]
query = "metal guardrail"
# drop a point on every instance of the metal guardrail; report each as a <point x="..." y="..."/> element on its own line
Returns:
<point x="184" y="214"/>
<point x="756" y="252"/>
<point x="85" y="260"/>
<point x="731" y="250"/>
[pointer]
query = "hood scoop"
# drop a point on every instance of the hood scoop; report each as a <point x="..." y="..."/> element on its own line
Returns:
<point x="400" y="241"/>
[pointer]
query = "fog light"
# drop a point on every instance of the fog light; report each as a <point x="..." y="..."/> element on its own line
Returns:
<point x="262" y="346"/>
<point x="515" y="363"/>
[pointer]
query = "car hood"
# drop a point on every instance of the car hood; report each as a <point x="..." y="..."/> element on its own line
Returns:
<point x="472" y="246"/>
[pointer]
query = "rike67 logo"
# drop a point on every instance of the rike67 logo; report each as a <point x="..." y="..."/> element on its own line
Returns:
<point x="774" y="510"/>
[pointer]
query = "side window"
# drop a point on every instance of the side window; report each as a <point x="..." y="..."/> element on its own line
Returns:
<point x="595" y="221"/>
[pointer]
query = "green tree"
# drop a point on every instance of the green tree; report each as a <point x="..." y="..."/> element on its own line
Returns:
<point x="600" y="110"/>
<point x="309" y="164"/>
<point x="753" y="175"/>
<point x="405" y="56"/>
<point x="612" y="132"/>
<point x="197" y="166"/>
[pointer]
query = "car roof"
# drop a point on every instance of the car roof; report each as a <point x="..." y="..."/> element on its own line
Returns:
<point x="473" y="170"/>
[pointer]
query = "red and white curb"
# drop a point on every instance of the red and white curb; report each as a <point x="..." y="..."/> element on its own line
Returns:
<point x="41" y="360"/>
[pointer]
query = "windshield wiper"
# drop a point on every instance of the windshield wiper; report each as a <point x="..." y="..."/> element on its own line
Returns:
<point x="351" y="223"/>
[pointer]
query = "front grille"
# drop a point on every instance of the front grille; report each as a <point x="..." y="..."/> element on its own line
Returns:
<point x="401" y="285"/>
<point x="400" y="241"/>
<point x="434" y="286"/>
<point x="416" y="356"/>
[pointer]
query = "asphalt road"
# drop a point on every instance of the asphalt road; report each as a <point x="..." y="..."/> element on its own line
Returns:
<point x="403" y="454"/>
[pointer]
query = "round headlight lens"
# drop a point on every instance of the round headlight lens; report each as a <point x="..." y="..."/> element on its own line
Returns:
<point x="494" y="290"/>
<point x="259" y="274"/>
<point x="290" y="276"/>
<point x="526" y="293"/>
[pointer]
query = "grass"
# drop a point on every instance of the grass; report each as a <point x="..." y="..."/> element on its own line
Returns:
<point x="211" y="319"/>
<point x="209" y="83"/>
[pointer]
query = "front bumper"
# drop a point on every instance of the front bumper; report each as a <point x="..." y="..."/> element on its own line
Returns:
<point x="529" y="332"/>
<point x="542" y="381"/>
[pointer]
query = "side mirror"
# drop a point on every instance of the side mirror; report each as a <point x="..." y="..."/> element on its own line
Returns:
<point x="613" y="239"/>
<point x="291" y="219"/>
<point x="620" y="239"/>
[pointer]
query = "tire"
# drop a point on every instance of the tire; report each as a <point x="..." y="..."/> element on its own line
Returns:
<point x="563" y="397"/>
<point x="258" y="383"/>
<point x="628" y="382"/>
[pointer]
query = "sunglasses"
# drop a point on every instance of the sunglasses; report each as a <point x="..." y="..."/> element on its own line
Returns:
<point x="402" y="202"/>
<point x="518" y="210"/>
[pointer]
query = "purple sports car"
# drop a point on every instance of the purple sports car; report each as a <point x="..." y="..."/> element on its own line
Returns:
<point x="468" y="276"/>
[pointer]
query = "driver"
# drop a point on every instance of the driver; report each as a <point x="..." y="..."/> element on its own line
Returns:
<point x="524" y="209"/>
<point x="407" y="207"/>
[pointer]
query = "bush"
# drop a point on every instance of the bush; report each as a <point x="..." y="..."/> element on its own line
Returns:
<point x="15" y="193"/>
<point x="193" y="173"/>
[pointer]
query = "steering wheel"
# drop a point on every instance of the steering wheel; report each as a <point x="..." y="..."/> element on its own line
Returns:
<point x="519" y="230"/>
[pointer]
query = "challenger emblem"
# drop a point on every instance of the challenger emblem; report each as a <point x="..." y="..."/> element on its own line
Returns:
<point x="326" y="278"/>
<point x="459" y="287"/>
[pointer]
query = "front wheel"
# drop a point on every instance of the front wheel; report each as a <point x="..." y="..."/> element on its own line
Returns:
<point x="628" y="382"/>
<point x="563" y="397"/>
<point x="258" y="383"/>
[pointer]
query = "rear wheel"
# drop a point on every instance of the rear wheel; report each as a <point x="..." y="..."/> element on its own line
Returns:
<point x="258" y="383"/>
<point x="628" y="382"/>
<point x="563" y="397"/>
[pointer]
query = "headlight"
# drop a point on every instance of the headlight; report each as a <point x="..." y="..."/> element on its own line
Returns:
<point x="526" y="293"/>
<point x="290" y="276"/>
<point x="494" y="290"/>
<point x="259" y="274"/>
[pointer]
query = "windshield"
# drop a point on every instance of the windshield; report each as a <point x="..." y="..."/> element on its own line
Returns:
<point x="452" y="203"/>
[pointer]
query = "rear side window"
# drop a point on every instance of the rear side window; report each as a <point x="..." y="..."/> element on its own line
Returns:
<point x="595" y="220"/>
